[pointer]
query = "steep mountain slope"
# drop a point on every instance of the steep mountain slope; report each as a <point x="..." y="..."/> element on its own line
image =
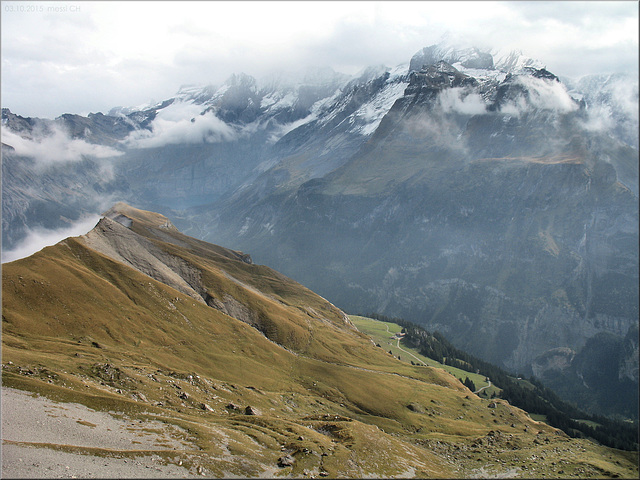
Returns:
<point x="262" y="376"/>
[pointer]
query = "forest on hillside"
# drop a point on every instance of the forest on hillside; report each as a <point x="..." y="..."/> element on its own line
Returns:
<point x="530" y="394"/>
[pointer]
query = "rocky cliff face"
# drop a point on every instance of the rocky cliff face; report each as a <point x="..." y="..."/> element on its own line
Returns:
<point x="601" y="376"/>
<point x="629" y="356"/>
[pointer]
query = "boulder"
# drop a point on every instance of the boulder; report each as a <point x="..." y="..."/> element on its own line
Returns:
<point x="286" y="461"/>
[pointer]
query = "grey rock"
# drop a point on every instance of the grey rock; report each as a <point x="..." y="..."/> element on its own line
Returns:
<point x="251" y="411"/>
<point x="286" y="461"/>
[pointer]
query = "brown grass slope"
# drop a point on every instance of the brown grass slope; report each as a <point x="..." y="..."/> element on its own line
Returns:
<point x="137" y="318"/>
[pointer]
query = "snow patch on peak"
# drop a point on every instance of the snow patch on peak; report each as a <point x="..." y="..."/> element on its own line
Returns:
<point x="200" y="94"/>
<point x="189" y="90"/>
<point x="278" y="100"/>
<point x="371" y="73"/>
<point x="471" y="57"/>
<point x="515" y="62"/>
<point x="366" y="119"/>
<point x="124" y="111"/>
<point x="474" y="61"/>
<point x="482" y="75"/>
<point x="397" y="72"/>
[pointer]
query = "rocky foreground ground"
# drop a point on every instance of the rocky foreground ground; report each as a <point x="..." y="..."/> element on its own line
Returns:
<point x="46" y="439"/>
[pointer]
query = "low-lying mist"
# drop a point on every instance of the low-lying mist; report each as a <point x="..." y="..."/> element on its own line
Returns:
<point x="38" y="238"/>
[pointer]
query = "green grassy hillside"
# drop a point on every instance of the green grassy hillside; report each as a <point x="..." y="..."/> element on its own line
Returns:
<point x="79" y="326"/>
<point x="382" y="334"/>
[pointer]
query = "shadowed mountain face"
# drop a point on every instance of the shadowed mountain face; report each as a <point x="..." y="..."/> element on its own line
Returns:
<point x="474" y="194"/>
<point x="250" y="372"/>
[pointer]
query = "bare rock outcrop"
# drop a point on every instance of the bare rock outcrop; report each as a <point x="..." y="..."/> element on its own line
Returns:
<point x="113" y="239"/>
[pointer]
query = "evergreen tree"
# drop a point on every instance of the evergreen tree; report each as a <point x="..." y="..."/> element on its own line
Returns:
<point x="469" y="384"/>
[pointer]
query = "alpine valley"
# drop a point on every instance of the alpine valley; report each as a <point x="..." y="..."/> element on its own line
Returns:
<point x="473" y="193"/>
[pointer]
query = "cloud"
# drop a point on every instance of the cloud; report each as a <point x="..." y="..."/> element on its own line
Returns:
<point x="548" y="94"/>
<point x="134" y="51"/>
<point x="599" y="118"/>
<point x="614" y="109"/>
<point x="181" y="123"/>
<point x="542" y="94"/>
<point x="459" y="100"/>
<point x="55" y="147"/>
<point x="38" y="238"/>
<point x="436" y="129"/>
<point x="624" y="95"/>
<point x="281" y="130"/>
<point x="515" y="107"/>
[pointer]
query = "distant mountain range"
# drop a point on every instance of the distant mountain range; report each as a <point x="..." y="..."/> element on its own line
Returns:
<point x="472" y="192"/>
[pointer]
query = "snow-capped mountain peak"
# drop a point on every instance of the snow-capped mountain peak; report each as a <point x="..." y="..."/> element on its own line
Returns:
<point x="515" y="62"/>
<point x="471" y="57"/>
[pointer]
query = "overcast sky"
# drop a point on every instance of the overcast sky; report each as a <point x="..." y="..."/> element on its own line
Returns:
<point x="82" y="57"/>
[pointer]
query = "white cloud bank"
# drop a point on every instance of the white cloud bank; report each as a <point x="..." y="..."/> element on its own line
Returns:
<point x="625" y="97"/>
<point x="57" y="147"/>
<point x="543" y="95"/>
<point x="181" y="123"/>
<point x="622" y="93"/>
<point x="38" y="238"/>
<point x="599" y="119"/>
<point x="459" y="100"/>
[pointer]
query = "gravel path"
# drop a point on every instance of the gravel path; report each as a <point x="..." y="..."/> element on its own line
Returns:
<point x="28" y="422"/>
